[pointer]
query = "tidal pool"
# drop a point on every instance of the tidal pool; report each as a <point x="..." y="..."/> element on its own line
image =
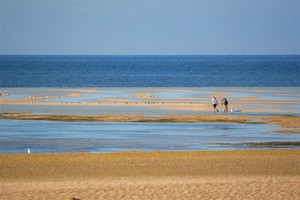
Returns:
<point x="16" y="136"/>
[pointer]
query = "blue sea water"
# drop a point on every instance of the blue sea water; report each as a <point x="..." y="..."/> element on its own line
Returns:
<point x="149" y="71"/>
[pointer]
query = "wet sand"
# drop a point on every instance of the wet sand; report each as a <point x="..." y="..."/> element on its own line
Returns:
<point x="253" y="174"/>
<point x="134" y="118"/>
<point x="272" y="100"/>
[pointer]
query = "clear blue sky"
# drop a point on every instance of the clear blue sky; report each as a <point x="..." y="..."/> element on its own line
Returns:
<point x="149" y="27"/>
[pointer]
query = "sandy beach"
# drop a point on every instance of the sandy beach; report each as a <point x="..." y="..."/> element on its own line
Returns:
<point x="253" y="174"/>
<point x="238" y="174"/>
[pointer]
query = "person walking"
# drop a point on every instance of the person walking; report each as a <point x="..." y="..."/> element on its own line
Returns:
<point x="214" y="102"/>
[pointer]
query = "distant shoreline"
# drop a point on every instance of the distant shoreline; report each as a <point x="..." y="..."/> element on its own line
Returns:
<point x="275" y="100"/>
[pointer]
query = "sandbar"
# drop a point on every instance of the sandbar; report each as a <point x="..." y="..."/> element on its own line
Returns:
<point x="185" y="99"/>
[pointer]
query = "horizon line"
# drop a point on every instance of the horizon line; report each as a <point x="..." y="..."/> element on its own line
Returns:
<point x="149" y="54"/>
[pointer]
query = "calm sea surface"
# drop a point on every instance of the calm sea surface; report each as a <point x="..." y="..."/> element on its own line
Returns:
<point x="149" y="71"/>
<point x="51" y="136"/>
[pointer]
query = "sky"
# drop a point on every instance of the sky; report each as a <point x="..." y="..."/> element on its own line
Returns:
<point x="150" y="27"/>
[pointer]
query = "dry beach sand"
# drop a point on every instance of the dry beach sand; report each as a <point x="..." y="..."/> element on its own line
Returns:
<point x="253" y="174"/>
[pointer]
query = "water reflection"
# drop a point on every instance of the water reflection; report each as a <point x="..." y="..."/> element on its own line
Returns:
<point x="51" y="136"/>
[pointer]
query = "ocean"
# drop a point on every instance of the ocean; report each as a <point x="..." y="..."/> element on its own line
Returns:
<point x="149" y="71"/>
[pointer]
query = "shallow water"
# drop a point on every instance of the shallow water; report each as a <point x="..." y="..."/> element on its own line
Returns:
<point x="198" y="95"/>
<point x="16" y="136"/>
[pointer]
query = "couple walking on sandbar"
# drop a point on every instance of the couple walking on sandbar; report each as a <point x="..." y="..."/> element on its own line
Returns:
<point x="224" y="102"/>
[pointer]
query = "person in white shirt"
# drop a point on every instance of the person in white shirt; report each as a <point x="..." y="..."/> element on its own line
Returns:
<point x="214" y="102"/>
